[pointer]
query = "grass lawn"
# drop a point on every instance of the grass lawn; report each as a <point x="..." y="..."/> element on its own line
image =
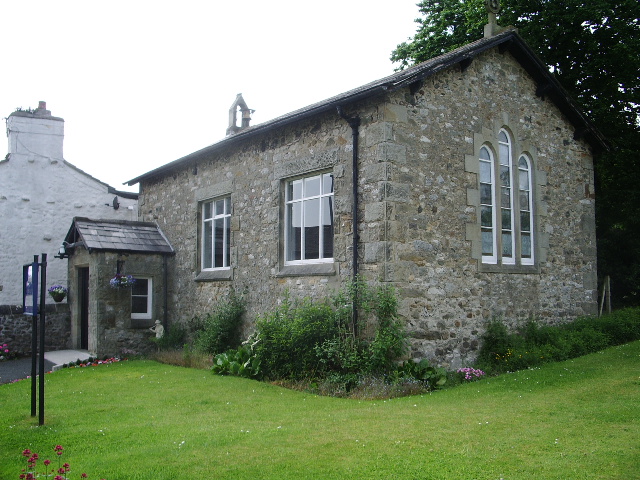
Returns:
<point x="578" y="419"/>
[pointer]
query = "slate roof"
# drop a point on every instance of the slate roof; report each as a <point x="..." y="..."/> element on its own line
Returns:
<point x="509" y="40"/>
<point x="118" y="236"/>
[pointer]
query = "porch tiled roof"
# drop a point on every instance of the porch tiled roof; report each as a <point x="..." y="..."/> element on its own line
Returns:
<point x="118" y="235"/>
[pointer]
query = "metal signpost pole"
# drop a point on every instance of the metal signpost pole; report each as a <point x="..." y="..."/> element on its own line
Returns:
<point x="43" y="289"/>
<point x="34" y="329"/>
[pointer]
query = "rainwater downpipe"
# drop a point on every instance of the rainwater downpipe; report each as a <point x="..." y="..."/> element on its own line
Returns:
<point x="354" y="123"/>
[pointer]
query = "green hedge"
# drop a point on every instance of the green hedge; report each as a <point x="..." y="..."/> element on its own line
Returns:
<point x="535" y="344"/>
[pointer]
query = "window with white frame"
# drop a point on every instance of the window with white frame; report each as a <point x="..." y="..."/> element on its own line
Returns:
<point x="526" y="210"/>
<point x="216" y="233"/>
<point x="506" y="215"/>
<point x="308" y="231"/>
<point x="142" y="298"/>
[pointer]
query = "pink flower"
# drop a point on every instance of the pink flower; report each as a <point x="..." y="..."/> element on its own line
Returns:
<point x="26" y="453"/>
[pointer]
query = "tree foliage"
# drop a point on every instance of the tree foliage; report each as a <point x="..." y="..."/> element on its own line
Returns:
<point x="593" y="48"/>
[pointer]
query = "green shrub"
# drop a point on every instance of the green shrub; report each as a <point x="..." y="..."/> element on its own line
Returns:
<point x="431" y="377"/>
<point x="321" y="339"/>
<point x="172" y="339"/>
<point x="535" y="344"/>
<point x="220" y="330"/>
<point x="239" y="363"/>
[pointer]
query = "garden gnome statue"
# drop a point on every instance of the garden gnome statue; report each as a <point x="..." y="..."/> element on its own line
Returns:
<point x="158" y="329"/>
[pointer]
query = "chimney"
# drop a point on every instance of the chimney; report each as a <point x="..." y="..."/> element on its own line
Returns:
<point x="35" y="134"/>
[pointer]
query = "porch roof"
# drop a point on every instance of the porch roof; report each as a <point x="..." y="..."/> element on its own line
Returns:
<point x="117" y="235"/>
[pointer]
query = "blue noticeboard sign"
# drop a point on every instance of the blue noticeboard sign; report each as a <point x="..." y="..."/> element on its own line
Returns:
<point x="30" y="289"/>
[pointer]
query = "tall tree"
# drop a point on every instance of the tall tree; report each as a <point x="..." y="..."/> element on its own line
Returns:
<point x="593" y="48"/>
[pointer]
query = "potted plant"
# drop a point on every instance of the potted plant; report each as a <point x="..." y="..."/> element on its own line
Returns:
<point x="122" y="281"/>
<point x="57" y="292"/>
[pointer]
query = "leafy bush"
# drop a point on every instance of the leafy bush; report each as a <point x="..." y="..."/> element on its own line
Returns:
<point x="239" y="363"/>
<point x="324" y="339"/>
<point x="220" y="330"/>
<point x="172" y="339"/>
<point x="431" y="377"/>
<point x="535" y="344"/>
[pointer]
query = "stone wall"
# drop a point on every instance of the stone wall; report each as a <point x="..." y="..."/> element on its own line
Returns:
<point x="418" y="223"/>
<point x="16" y="328"/>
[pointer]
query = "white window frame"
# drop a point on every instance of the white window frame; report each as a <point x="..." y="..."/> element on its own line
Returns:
<point x="492" y="229"/>
<point x="300" y="201"/>
<point x="149" y="313"/>
<point x="208" y="226"/>
<point x="506" y="191"/>
<point x="505" y="196"/>
<point x="525" y="188"/>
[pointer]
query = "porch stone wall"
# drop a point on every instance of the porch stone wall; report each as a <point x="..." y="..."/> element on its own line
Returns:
<point x="112" y="331"/>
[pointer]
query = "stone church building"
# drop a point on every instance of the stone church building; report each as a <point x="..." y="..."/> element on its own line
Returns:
<point x="466" y="182"/>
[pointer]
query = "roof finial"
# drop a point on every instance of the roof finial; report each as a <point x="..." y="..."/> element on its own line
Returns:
<point x="493" y="8"/>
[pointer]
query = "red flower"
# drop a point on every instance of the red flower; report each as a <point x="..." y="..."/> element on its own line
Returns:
<point x="84" y="475"/>
<point x="26" y="453"/>
<point x="66" y="467"/>
<point x="47" y="462"/>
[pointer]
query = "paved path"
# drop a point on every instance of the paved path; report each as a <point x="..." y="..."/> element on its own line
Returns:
<point x="21" y="368"/>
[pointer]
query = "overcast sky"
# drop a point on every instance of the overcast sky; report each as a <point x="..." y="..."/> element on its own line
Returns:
<point x="142" y="83"/>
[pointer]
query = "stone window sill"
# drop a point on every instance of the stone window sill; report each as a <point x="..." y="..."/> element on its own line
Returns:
<point x="215" y="275"/>
<point x="491" y="268"/>
<point x="307" y="270"/>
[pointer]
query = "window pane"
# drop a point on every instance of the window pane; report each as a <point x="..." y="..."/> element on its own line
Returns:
<point x="219" y="207"/>
<point x="525" y="240"/>
<point x="140" y="287"/>
<point x="524" y="200"/>
<point x="485" y="172"/>
<point x="312" y="229"/>
<point x="218" y="249"/>
<point x="207" y="249"/>
<point x="507" y="248"/>
<point x="294" y="231"/>
<point x="327" y="227"/>
<point x="506" y="219"/>
<point x="505" y="178"/>
<point x="505" y="198"/>
<point x="525" y="222"/>
<point x="502" y="137"/>
<point x="504" y="154"/>
<point x="207" y="210"/>
<point x="312" y="186"/>
<point x="524" y="180"/>
<point x="227" y="241"/>
<point x="139" y="304"/>
<point x="485" y="194"/>
<point x="523" y="163"/>
<point x="327" y="183"/>
<point x="294" y="190"/>
<point x="487" y="242"/>
<point x="486" y="216"/>
<point x="484" y="154"/>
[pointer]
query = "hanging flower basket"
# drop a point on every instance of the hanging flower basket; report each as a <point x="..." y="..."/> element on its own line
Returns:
<point x="57" y="292"/>
<point x="122" y="281"/>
